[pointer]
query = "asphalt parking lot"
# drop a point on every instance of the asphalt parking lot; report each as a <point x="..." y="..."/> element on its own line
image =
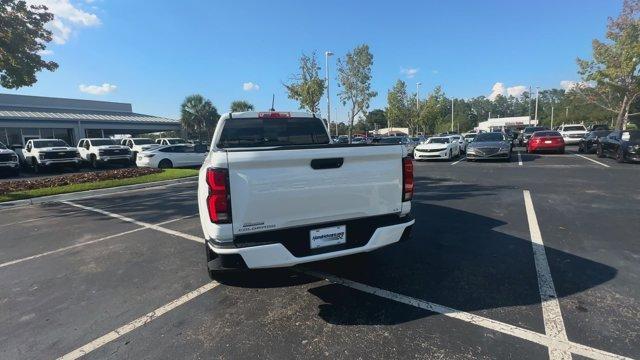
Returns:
<point x="532" y="259"/>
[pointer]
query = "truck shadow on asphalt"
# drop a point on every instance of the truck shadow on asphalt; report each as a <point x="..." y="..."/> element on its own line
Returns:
<point x="457" y="259"/>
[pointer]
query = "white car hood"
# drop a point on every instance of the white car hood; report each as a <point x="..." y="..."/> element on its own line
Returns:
<point x="433" y="146"/>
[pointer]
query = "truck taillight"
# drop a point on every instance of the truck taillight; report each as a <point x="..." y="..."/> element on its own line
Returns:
<point x="407" y="179"/>
<point x="218" y="201"/>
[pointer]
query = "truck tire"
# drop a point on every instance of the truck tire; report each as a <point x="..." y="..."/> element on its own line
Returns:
<point x="165" y="164"/>
<point x="134" y="156"/>
<point x="94" y="161"/>
<point x="35" y="166"/>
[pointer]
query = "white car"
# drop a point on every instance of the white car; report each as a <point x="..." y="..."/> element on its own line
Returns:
<point x="438" y="147"/>
<point x="274" y="192"/>
<point x="169" y="156"/>
<point x="9" y="160"/>
<point x="571" y="134"/>
<point x="99" y="151"/>
<point x="138" y="145"/>
<point x="461" y="142"/>
<point x="44" y="153"/>
<point x="171" y="141"/>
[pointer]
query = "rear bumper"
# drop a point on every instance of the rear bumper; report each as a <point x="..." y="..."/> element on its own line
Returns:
<point x="277" y="255"/>
<point x="546" y="147"/>
<point x="571" y="141"/>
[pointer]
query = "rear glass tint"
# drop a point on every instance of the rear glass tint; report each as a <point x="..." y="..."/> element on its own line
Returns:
<point x="547" y="133"/>
<point x="256" y="132"/>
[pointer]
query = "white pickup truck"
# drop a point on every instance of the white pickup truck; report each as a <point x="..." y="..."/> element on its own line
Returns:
<point x="275" y="192"/>
<point x="9" y="160"/>
<point x="103" y="151"/>
<point x="44" y="153"/>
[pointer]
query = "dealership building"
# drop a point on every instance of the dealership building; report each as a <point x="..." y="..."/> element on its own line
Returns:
<point x="33" y="117"/>
<point x="513" y="123"/>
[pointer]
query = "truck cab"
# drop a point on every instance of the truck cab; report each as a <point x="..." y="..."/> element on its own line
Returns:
<point x="46" y="153"/>
<point x="274" y="191"/>
<point x="138" y="145"/>
<point x="99" y="151"/>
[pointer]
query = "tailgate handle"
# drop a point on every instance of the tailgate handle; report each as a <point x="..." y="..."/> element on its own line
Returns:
<point x="330" y="163"/>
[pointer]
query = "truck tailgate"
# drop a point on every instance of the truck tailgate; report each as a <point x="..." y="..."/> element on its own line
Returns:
<point x="275" y="189"/>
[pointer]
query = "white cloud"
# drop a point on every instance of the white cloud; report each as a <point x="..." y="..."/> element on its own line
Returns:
<point x="249" y="86"/>
<point x="500" y="89"/>
<point x="410" y="73"/>
<point x="569" y="85"/>
<point x="45" y="52"/>
<point x="435" y="72"/>
<point x="497" y="89"/>
<point x="97" y="89"/>
<point x="516" y="91"/>
<point x="67" y="18"/>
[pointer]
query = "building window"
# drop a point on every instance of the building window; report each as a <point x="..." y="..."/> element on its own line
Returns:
<point x="93" y="133"/>
<point x="13" y="136"/>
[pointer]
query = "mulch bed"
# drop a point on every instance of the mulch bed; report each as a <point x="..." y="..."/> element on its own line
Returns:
<point x="78" y="178"/>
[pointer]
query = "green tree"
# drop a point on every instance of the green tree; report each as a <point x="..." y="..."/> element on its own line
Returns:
<point x="198" y="117"/>
<point x="22" y="37"/>
<point x="376" y="119"/>
<point x="354" y="75"/>
<point x="240" y="106"/>
<point x="398" y="105"/>
<point x="614" y="67"/>
<point x="307" y="86"/>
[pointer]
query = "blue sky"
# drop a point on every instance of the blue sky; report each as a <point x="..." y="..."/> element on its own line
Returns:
<point x="153" y="54"/>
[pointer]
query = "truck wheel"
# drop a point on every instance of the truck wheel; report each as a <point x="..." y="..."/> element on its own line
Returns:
<point x="35" y="166"/>
<point x="165" y="164"/>
<point x="94" y="162"/>
<point x="134" y="156"/>
<point x="620" y="156"/>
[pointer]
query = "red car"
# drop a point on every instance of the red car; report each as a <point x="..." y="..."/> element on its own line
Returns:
<point x="546" y="141"/>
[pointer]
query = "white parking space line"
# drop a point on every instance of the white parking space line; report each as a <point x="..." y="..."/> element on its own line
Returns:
<point x="17" y="261"/>
<point x="553" y="343"/>
<point x="553" y="323"/>
<point x="134" y="221"/>
<point x="519" y="158"/>
<point x="590" y="159"/>
<point x="464" y="157"/>
<point x="141" y="321"/>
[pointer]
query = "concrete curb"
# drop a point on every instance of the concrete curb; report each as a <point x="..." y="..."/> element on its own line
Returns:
<point x="90" y="193"/>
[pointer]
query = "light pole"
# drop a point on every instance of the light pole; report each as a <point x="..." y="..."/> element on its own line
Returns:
<point x="417" y="102"/>
<point x="326" y="68"/>
<point x="552" y="118"/>
<point x="451" y="114"/>
<point x="537" y="96"/>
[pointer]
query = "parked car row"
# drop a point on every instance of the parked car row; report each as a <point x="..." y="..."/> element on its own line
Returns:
<point x="41" y="154"/>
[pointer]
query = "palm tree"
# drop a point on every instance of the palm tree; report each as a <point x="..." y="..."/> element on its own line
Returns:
<point x="241" y="105"/>
<point x="198" y="116"/>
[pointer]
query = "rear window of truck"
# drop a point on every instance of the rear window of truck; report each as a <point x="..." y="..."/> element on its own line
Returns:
<point x="257" y="132"/>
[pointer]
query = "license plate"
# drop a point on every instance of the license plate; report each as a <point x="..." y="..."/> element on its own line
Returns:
<point x="334" y="235"/>
<point x="547" y="142"/>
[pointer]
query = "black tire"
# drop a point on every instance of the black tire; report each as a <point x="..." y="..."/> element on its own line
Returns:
<point x="620" y="157"/>
<point x="94" y="161"/>
<point x="134" y="156"/>
<point x="599" y="152"/>
<point x="165" y="164"/>
<point x="35" y="166"/>
<point x="561" y="151"/>
<point x="580" y="150"/>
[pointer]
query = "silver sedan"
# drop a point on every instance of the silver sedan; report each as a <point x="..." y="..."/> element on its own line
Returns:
<point x="488" y="146"/>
